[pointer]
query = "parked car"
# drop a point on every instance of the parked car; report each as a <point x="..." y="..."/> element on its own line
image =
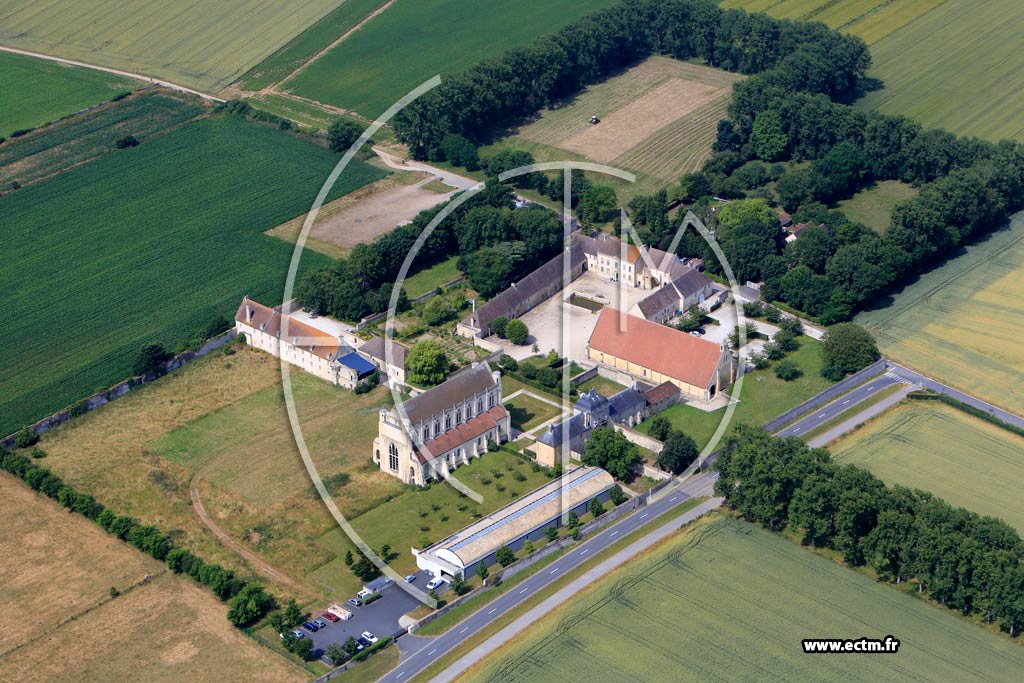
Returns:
<point x="364" y="593"/>
<point x="435" y="582"/>
<point x="355" y="602"/>
<point x="410" y="578"/>
<point x="298" y="633"/>
<point x="330" y="616"/>
<point x="369" y="636"/>
<point x="320" y="622"/>
<point x="310" y="626"/>
<point x="363" y="641"/>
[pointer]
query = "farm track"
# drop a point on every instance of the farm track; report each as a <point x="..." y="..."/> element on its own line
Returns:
<point x="116" y="72"/>
<point x="224" y="537"/>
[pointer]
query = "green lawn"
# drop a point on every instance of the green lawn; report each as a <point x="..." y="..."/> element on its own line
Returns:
<point x="315" y="38"/>
<point x="399" y="522"/>
<point x="932" y="446"/>
<point x="34" y="91"/>
<point x="527" y="412"/>
<point x="873" y="206"/>
<point x="429" y="279"/>
<point x="204" y="44"/>
<point x="145" y="245"/>
<point x="604" y="386"/>
<point x="413" y="40"/>
<point x="764" y="396"/>
<point x="728" y="601"/>
<point x="90" y="135"/>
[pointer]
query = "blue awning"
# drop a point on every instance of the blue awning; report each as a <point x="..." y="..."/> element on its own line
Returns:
<point x="362" y="366"/>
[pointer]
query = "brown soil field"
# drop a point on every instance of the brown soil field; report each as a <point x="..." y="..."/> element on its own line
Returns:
<point x="627" y="127"/>
<point x="365" y="214"/>
<point x="59" y="623"/>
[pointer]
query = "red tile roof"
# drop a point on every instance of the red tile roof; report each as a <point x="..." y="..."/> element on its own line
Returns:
<point x="463" y="433"/>
<point x="656" y="347"/>
<point x="270" y="320"/>
<point x="662" y="392"/>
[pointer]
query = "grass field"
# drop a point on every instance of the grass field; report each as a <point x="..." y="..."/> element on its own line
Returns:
<point x="931" y="446"/>
<point x="147" y="244"/>
<point x="958" y="67"/>
<point x="90" y="135"/>
<point x="413" y="40"/>
<point x="764" y="396"/>
<point x="526" y="412"/>
<point x="872" y="20"/>
<point x="961" y="322"/>
<point x="35" y="91"/>
<point x="204" y="45"/>
<point x="873" y="206"/>
<point x="658" y="119"/>
<point x="603" y="385"/>
<point x="728" y="601"/>
<point x="431" y="278"/>
<point x="59" y="622"/>
<point x="317" y="37"/>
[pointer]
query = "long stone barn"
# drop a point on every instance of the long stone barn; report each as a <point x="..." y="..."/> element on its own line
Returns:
<point x="655" y="353"/>
<point x="527" y="518"/>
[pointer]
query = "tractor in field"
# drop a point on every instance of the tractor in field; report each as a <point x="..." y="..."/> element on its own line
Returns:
<point x="594" y="120"/>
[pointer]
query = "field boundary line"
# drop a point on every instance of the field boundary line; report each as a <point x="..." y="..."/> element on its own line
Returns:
<point x="116" y="72"/>
<point x="321" y="53"/>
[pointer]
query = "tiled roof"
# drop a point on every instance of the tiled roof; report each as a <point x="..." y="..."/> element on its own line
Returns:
<point x="662" y="392"/>
<point x="272" y="322"/>
<point x="475" y="379"/>
<point x="505" y="303"/>
<point x="658" y="301"/>
<point x="565" y="430"/>
<point x="690" y="282"/>
<point x="375" y="348"/>
<point x="466" y="432"/>
<point x="656" y="347"/>
<point x="627" y="402"/>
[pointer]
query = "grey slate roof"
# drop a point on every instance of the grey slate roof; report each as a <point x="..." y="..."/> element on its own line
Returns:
<point x="659" y="300"/>
<point x="690" y="282"/>
<point x="375" y="349"/>
<point x="569" y="429"/>
<point x="475" y="379"/>
<point x="590" y="401"/>
<point x="626" y="402"/>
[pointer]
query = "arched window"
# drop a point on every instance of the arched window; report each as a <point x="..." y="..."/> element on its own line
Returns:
<point x="393" y="457"/>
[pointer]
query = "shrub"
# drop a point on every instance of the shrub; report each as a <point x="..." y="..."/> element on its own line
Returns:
<point x="342" y="133"/>
<point x="787" y="371"/>
<point x="508" y="363"/>
<point x="37" y="453"/>
<point x="617" y="495"/>
<point x="660" y="427"/>
<point x="517" y="332"/>
<point x="498" y="326"/>
<point x="25" y="437"/>
<point x="336" y="653"/>
<point x="151" y="359"/>
<point x="303" y="648"/>
<point x="126" y="141"/>
<point x="596" y="508"/>
<point x="551" y="533"/>
<point x="248" y="606"/>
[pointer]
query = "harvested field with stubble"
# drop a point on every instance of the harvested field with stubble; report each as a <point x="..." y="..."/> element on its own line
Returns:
<point x="658" y="119"/>
<point x="726" y="600"/>
<point x="961" y="321"/>
<point x="57" y="567"/>
<point x="934" y="447"/>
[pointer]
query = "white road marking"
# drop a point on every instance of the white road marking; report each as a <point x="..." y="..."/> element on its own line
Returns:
<point x="555" y="570"/>
<point x="614" y="532"/>
<point x="845" y="402"/>
<point x="432" y="652"/>
<point x="399" y="674"/>
<point x="822" y="415"/>
<point x="673" y="499"/>
<point x="585" y="551"/>
<point x="795" y="430"/>
<point x="493" y="610"/>
<point x="644" y="515"/>
<point x="523" y="591"/>
<point x="463" y="630"/>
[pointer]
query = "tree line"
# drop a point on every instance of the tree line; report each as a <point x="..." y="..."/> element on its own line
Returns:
<point x="247" y="602"/>
<point x="495" y="243"/>
<point x="961" y="560"/>
<point x="796" y="56"/>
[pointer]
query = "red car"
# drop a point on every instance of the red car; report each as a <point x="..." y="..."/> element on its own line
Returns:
<point x="330" y="616"/>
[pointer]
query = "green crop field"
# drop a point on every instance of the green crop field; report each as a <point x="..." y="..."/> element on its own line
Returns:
<point x="958" y="67"/>
<point x="872" y="20"/>
<point x="147" y="244"/>
<point x="934" y="447"/>
<point x="35" y="91"/>
<point x="873" y="206"/>
<point x="91" y="135"/>
<point x="205" y="44"/>
<point x="304" y="46"/>
<point x="729" y="601"/>
<point x="413" y="40"/>
<point x="961" y="322"/>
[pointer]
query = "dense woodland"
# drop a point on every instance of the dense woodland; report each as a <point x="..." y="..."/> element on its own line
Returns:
<point x="962" y="560"/>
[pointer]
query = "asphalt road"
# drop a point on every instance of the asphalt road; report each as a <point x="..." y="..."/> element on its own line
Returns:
<point x="939" y="387"/>
<point x="414" y="662"/>
<point x="843" y="403"/>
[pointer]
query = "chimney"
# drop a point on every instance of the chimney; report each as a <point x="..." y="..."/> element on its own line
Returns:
<point x="473" y="302"/>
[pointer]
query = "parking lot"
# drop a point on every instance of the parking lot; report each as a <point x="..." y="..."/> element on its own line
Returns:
<point x="380" y="617"/>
